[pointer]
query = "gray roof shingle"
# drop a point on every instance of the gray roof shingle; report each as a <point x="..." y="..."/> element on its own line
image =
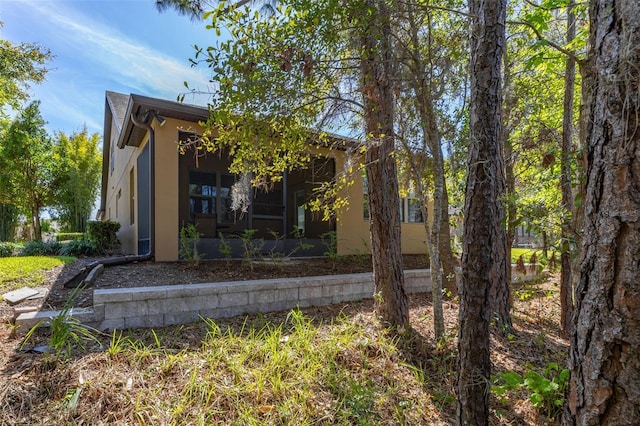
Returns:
<point x="118" y="103"/>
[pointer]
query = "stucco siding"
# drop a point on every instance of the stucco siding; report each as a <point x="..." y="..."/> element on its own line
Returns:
<point x="167" y="226"/>
<point x="117" y="207"/>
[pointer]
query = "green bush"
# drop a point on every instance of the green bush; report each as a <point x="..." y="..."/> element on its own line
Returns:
<point x="41" y="248"/>
<point x="78" y="248"/>
<point x="188" y="249"/>
<point x="69" y="236"/>
<point x="103" y="235"/>
<point x="8" y="249"/>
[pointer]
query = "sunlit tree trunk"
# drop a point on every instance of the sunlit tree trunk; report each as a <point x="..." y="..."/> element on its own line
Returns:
<point x="566" y="286"/>
<point x="377" y="79"/>
<point x="484" y="247"/>
<point x="509" y="162"/>
<point x="603" y="358"/>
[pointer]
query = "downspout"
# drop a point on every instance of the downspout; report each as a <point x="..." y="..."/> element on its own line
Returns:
<point x="152" y="182"/>
<point x="79" y="278"/>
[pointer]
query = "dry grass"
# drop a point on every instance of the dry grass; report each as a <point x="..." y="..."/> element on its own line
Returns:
<point x="331" y="365"/>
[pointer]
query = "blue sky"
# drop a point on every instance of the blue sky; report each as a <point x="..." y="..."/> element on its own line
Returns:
<point x="125" y="46"/>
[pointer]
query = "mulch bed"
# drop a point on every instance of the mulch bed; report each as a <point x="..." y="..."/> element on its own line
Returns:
<point x="149" y="273"/>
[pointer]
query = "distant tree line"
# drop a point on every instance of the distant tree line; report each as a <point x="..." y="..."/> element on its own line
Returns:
<point x="38" y="171"/>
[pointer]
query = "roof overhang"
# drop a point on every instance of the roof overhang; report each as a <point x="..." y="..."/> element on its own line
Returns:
<point x="143" y="108"/>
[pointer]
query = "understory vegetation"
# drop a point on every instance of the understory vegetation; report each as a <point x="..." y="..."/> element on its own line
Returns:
<point x="331" y="365"/>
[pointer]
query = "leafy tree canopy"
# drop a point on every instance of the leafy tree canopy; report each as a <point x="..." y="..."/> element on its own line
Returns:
<point x="78" y="161"/>
<point x="20" y="64"/>
<point x="26" y="164"/>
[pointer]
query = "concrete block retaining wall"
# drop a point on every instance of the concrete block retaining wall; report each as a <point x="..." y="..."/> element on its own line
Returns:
<point x="185" y="303"/>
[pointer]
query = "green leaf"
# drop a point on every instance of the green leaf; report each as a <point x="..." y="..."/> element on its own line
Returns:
<point x="511" y="378"/>
<point x="537" y="400"/>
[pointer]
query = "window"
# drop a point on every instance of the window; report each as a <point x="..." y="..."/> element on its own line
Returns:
<point x="414" y="213"/>
<point x="132" y="198"/>
<point x="111" y="156"/>
<point x="268" y="203"/>
<point x="300" y="212"/>
<point x="202" y="193"/>
<point x="118" y="196"/>
<point x="366" y="215"/>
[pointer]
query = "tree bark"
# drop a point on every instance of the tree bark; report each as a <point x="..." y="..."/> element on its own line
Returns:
<point x="509" y="162"/>
<point x="35" y="222"/>
<point x="384" y="198"/>
<point x="484" y="246"/>
<point x="566" y="286"/>
<point x="446" y="254"/>
<point x="439" y="234"/>
<point x="604" y="362"/>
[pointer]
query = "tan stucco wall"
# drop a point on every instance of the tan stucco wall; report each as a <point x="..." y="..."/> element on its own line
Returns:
<point x="166" y="193"/>
<point x="117" y="208"/>
<point x="353" y="230"/>
<point x="166" y="204"/>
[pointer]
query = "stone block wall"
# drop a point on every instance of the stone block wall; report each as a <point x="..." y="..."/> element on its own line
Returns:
<point x="186" y="303"/>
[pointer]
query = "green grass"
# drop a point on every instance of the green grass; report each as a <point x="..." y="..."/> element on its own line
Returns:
<point x="527" y="252"/>
<point x="292" y="372"/>
<point x="28" y="271"/>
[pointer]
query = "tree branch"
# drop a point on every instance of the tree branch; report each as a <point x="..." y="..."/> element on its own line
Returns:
<point x="554" y="45"/>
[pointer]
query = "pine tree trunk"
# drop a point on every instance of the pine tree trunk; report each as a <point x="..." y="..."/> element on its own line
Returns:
<point x="376" y="69"/>
<point x="484" y="236"/>
<point x="509" y="161"/>
<point x="566" y="286"/>
<point x="604" y="360"/>
<point x="446" y="254"/>
<point x="439" y="235"/>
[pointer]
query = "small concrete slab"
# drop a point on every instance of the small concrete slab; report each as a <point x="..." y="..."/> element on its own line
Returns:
<point x="42" y="293"/>
<point x="17" y="296"/>
<point x="22" y="310"/>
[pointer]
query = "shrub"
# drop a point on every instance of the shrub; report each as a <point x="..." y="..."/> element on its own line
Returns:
<point x="225" y="247"/>
<point x="252" y="248"/>
<point x="188" y="249"/>
<point x="330" y="241"/>
<point x="78" y="248"/>
<point x="65" y="330"/>
<point x="8" y="249"/>
<point x="69" y="236"/>
<point x="41" y="248"/>
<point x="103" y="235"/>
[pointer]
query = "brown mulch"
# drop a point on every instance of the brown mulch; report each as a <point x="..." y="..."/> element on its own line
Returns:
<point x="149" y="273"/>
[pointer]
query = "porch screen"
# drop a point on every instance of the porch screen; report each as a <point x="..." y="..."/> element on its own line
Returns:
<point x="202" y="193"/>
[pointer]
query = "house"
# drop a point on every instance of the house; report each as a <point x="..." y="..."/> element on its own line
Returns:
<point x="153" y="190"/>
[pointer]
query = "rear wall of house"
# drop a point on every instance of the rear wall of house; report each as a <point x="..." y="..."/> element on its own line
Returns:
<point x="352" y="228"/>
